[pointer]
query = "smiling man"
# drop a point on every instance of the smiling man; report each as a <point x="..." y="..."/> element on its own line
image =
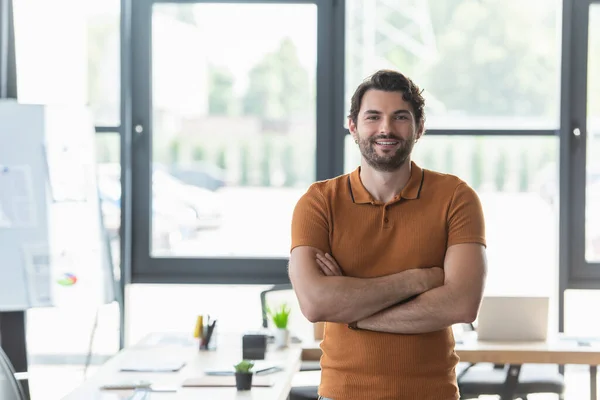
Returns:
<point x="390" y="256"/>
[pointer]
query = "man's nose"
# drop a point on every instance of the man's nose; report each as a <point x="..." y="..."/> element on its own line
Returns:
<point x="385" y="126"/>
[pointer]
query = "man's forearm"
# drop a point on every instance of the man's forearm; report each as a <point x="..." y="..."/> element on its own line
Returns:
<point x="431" y="311"/>
<point x="347" y="299"/>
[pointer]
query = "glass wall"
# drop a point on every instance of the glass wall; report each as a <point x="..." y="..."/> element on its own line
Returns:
<point x="233" y="132"/>
<point x="592" y="211"/>
<point x="474" y="59"/>
<point x="68" y="52"/>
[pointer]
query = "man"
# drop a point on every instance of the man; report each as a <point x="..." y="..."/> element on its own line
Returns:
<point x="390" y="256"/>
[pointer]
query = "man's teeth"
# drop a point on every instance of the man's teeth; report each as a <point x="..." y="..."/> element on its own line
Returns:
<point x="386" y="143"/>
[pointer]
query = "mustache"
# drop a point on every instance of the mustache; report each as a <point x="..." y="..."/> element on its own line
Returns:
<point x="380" y="137"/>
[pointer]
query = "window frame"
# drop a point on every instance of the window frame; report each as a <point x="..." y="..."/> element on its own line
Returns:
<point x="578" y="272"/>
<point x="329" y="152"/>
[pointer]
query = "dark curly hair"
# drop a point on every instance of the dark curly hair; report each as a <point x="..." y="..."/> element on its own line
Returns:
<point x="390" y="81"/>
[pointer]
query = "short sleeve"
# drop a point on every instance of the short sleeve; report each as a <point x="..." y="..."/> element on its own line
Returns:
<point x="466" y="223"/>
<point x="310" y="223"/>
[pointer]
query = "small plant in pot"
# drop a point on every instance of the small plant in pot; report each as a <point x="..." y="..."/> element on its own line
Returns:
<point x="243" y="375"/>
<point x="280" y="316"/>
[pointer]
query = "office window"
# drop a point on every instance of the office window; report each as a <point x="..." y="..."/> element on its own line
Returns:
<point x="233" y="132"/>
<point x="517" y="181"/>
<point x="474" y="59"/>
<point x="592" y="211"/>
<point x="67" y="51"/>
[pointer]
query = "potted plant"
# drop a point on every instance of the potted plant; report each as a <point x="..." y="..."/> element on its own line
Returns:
<point x="243" y="375"/>
<point x="280" y="317"/>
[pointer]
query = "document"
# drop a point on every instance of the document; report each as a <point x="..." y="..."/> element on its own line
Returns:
<point x="17" y="203"/>
<point x="38" y="271"/>
<point x="68" y="172"/>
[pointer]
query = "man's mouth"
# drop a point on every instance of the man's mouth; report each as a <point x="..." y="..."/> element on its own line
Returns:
<point x="387" y="143"/>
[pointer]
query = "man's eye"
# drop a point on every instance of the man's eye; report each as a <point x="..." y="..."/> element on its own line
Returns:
<point x="373" y="117"/>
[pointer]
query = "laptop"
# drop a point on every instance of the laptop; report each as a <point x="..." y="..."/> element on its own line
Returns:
<point x="516" y="319"/>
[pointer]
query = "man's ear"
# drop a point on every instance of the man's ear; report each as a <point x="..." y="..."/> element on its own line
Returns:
<point x="352" y="129"/>
<point x="420" y="130"/>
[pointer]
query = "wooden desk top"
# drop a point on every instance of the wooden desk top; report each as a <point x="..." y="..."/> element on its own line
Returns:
<point x="554" y="351"/>
<point x="227" y="354"/>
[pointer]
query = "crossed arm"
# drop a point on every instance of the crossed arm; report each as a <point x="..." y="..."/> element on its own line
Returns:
<point x="329" y="296"/>
<point x="376" y="305"/>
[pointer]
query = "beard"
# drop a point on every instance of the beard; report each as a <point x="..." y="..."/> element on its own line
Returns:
<point x="390" y="161"/>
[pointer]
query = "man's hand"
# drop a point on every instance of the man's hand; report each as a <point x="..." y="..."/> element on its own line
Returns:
<point x="328" y="265"/>
<point x="432" y="277"/>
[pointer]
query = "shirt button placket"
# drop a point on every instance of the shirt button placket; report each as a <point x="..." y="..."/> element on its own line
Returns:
<point x="386" y="220"/>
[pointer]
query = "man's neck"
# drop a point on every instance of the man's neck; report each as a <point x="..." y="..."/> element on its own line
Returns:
<point x="384" y="186"/>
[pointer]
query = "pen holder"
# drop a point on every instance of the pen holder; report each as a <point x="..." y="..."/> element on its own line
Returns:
<point x="208" y="339"/>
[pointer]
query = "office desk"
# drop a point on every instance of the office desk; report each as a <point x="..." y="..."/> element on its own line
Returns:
<point x="228" y="353"/>
<point x="560" y="350"/>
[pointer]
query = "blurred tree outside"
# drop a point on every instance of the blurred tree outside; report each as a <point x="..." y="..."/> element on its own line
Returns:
<point x="493" y="59"/>
<point x="265" y="165"/>
<point x="175" y="151"/>
<point x="221" y="98"/>
<point x="477" y="165"/>
<point x="500" y="171"/>
<point x="198" y="154"/>
<point x="486" y="67"/>
<point x="244" y="165"/>
<point x="222" y="158"/>
<point x="524" y="171"/>
<point x="102" y="31"/>
<point x="288" y="165"/>
<point x="278" y="85"/>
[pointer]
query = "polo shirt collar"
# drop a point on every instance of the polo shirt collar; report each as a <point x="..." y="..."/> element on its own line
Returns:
<point x="411" y="191"/>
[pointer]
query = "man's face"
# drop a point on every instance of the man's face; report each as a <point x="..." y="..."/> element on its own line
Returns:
<point x="386" y="129"/>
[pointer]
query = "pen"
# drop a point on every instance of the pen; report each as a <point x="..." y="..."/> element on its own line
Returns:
<point x="209" y="334"/>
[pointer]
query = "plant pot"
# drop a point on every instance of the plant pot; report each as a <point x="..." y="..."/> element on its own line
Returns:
<point x="243" y="380"/>
<point x="281" y="337"/>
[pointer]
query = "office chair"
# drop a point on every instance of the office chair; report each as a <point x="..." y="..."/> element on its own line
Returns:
<point x="305" y="392"/>
<point x="508" y="381"/>
<point x="10" y="388"/>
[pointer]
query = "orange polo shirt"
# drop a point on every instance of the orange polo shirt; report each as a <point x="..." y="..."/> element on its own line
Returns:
<point x="369" y="239"/>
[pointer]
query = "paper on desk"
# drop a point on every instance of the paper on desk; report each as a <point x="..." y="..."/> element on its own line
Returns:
<point x="152" y="364"/>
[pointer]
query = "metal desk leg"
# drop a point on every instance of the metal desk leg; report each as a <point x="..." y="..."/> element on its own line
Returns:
<point x="593" y="382"/>
<point x="510" y="384"/>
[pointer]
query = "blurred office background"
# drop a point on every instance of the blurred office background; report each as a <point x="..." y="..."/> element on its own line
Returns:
<point x="213" y="118"/>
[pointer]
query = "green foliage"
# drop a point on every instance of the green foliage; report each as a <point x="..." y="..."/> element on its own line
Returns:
<point x="175" y="151"/>
<point x="221" y="98"/>
<point x="244" y="366"/>
<point x="501" y="172"/>
<point x="244" y="165"/>
<point x="524" y="172"/>
<point x="288" y="166"/>
<point x="477" y="167"/>
<point x="279" y="315"/>
<point x="198" y="154"/>
<point x="221" y="158"/>
<point x="278" y="85"/>
<point x="265" y="165"/>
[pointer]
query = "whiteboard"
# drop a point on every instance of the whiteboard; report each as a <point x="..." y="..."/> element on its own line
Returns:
<point x="53" y="251"/>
